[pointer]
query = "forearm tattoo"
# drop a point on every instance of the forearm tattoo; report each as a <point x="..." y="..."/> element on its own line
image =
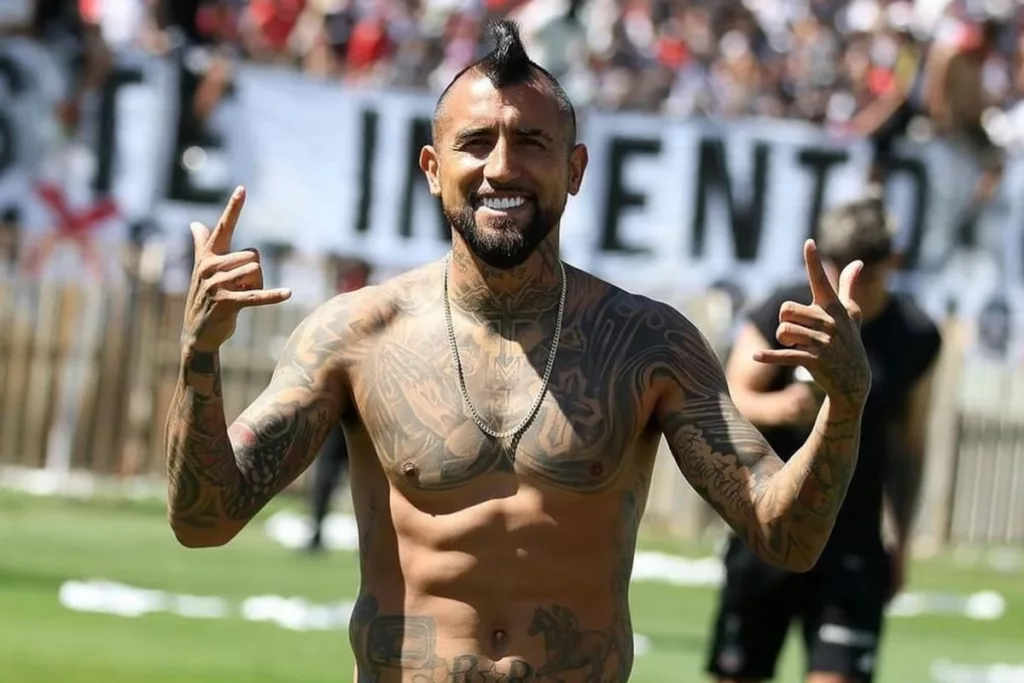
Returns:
<point x="199" y="454"/>
<point x="217" y="474"/>
<point x="800" y="506"/>
<point x="785" y="512"/>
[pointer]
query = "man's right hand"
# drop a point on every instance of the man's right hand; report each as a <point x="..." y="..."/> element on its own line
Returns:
<point x="223" y="282"/>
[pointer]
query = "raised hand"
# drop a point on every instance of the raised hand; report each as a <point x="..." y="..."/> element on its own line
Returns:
<point x="223" y="282"/>
<point x="825" y="336"/>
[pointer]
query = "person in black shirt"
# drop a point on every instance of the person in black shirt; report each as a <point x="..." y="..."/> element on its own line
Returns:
<point x="841" y="601"/>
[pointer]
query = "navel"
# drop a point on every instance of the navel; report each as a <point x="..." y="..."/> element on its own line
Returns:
<point x="499" y="637"/>
<point x="596" y="469"/>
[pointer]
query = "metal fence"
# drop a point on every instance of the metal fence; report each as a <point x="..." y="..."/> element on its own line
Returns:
<point x="86" y="374"/>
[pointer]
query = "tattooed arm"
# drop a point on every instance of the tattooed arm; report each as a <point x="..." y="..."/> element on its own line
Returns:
<point x="784" y="511"/>
<point x="220" y="477"/>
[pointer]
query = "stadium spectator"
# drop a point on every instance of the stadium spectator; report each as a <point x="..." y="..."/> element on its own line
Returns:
<point x="854" y="66"/>
<point x="960" y="89"/>
<point x="72" y="38"/>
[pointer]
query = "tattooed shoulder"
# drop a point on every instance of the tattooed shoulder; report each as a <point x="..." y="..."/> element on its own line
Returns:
<point x="722" y="455"/>
<point x="339" y="333"/>
<point x="668" y="350"/>
<point x="334" y="335"/>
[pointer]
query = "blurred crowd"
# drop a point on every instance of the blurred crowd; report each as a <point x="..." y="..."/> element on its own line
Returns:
<point x="820" y="60"/>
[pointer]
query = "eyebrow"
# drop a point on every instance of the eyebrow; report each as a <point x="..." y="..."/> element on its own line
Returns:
<point x="469" y="133"/>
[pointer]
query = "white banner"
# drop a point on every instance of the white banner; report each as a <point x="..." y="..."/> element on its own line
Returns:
<point x="667" y="206"/>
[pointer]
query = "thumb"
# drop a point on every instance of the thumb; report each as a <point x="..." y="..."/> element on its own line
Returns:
<point x="847" y="280"/>
<point x="200" y="236"/>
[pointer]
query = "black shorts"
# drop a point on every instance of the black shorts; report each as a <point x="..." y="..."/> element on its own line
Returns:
<point x="840" y="604"/>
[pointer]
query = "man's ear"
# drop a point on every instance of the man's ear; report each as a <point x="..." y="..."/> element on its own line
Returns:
<point x="429" y="166"/>
<point x="577" y="166"/>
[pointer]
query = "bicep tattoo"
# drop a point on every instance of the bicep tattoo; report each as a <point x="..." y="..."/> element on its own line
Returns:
<point x="277" y="437"/>
<point x="723" y="456"/>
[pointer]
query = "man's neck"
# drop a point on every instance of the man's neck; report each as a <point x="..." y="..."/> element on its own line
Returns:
<point x="872" y="314"/>
<point x="487" y="292"/>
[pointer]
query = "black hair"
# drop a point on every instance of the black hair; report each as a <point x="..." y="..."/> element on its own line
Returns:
<point x="857" y="230"/>
<point x="508" y="64"/>
<point x="992" y="30"/>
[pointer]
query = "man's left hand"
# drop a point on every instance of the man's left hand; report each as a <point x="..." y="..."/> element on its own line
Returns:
<point x="825" y="336"/>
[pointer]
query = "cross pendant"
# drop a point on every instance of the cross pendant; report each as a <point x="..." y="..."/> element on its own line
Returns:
<point x="508" y="447"/>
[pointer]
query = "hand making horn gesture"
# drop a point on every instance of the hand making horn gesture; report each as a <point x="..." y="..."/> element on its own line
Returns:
<point x="825" y="336"/>
<point x="223" y="282"/>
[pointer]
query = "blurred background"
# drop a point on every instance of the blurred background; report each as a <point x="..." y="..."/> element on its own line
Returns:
<point x="719" y="130"/>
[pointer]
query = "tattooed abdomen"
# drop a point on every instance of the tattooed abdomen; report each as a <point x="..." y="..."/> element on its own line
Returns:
<point x="548" y="643"/>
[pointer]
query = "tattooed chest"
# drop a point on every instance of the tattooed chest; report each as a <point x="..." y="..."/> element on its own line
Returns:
<point x="425" y="436"/>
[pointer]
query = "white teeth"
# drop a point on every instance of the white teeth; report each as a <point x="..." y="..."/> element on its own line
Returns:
<point x="500" y="203"/>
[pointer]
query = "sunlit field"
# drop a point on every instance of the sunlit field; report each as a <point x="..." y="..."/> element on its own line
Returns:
<point x="45" y="543"/>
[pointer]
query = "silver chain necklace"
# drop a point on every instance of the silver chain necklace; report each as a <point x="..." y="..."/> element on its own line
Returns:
<point x="515" y="431"/>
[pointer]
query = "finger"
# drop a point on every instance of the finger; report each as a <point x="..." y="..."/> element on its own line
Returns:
<point x="200" y="236"/>
<point x="791" y="334"/>
<point x="258" y="297"/>
<point x="814" y="317"/>
<point x="847" y="280"/>
<point x="785" y="357"/>
<point x="246" y="276"/>
<point x="229" y="261"/>
<point x="220" y="240"/>
<point x="853" y="308"/>
<point x="821" y="288"/>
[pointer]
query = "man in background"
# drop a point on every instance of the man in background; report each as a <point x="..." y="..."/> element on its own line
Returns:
<point x="842" y="599"/>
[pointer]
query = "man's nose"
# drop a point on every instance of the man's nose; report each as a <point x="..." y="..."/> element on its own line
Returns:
<point x="500" y="165"/>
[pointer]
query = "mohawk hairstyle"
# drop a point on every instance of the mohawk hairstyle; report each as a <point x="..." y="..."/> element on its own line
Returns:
<point x="508" y="64"/>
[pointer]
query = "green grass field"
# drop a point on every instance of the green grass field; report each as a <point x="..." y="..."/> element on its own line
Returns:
<point x="45" y="542"/>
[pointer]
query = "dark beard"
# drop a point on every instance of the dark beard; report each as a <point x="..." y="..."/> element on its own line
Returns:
<point x="507" y="246"/>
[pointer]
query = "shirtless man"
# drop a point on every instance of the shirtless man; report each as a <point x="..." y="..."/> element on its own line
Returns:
<point x="503" y="412"/>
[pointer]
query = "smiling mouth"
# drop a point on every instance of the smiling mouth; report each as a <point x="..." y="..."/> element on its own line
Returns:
<point x="507" y="203"/>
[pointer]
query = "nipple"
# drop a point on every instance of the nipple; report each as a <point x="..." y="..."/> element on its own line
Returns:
<point x="409" y="469"/>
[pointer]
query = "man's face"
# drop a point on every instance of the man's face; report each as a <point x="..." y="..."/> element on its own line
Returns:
<point x="871" y="289"/>
<point x="502" y="167"/>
